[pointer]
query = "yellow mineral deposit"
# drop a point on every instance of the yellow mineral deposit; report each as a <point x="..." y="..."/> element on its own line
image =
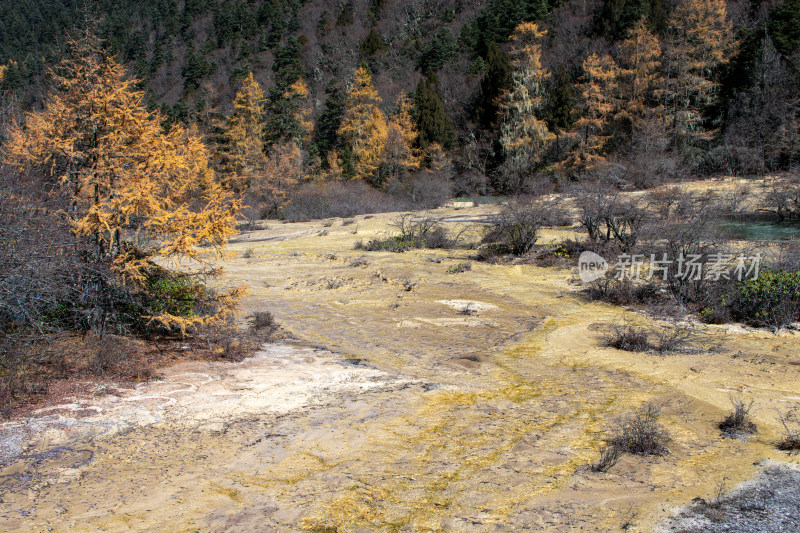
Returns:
<point x="397" y="410"/>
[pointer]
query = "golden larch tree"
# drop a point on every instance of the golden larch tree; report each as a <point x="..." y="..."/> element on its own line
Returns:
<point x="364" y="128"/>
<point x="282" y="171"/>
<point x="400" y="155"/>
<point x="640" y="57"/>
<point x="600" y="92"/>
<point x="701" y="41"/>
<point x="524" y="135"/>
<point x="245" y="147"/>
<point x="298" y="93"/>
<point x="129" y="184"/>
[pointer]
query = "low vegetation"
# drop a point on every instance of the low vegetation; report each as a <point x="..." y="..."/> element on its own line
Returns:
<point x="413" y="231"/>
<point x="790" y="420"/>
<point x="660" y="340"/>
<point x="641" y="433"/>
<point x="738" y="421"/>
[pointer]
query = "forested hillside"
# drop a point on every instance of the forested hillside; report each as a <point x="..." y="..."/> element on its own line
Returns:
<point x="631" y="91"/>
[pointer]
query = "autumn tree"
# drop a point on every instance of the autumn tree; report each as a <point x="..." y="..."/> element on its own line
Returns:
<point x="245" y="148"/>
<point x="701" y="42"/>
<point x="283" y="168"/>
<point x="524" y="135"/>
<point x="640" y="56"/>
<point x="363" y="128"/>
<point x="400" y="153"/>
<point x="132" y="193"/>
<point x="600" y="97"/>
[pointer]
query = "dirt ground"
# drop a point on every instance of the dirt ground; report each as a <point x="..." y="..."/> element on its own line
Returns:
<point x="410" y="399"/>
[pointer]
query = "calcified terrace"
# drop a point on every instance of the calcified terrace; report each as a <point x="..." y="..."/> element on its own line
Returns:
<point x="394" y="409"/>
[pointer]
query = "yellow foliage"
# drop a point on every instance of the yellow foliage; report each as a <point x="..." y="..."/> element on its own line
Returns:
<point x="282" y="170"/>
<point x="702" y="43"/>
<point x="246" y="150"/>
<point x="364" y="126"/>
<point x="600" y="95"/>
<point x="524" y="135"/>
<point x="401" y="134"/>
<point x="129" y="184"/>
<point x="641" y="59"/>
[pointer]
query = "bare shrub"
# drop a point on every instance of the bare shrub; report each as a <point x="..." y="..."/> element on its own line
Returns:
<point x="341" y="199"/>
<point x="738" y="420"/>
<point x="358" y="262"/>
<point x="468" y="310"/>
<point x="628" y="338"/>
<point x="661" y="340"/>
<point x="680" y="338"/>
<point x="106" y="352"/>
<point x="624" y="291"/>
<point x="734" y="201"/>
<point x="685" y="238"/>
<point x="609" y="455"/>
<point x="672" y="201"/>
<point x="517" y="226"/>
<point x="783" y="199"/>
<point x="607" y="217"/>
<point x="790" y="420"/>
<point x="641" y="433"/>
<point x="413" y="231"/>
<point x="263" y="324"/>
<point x="427" y="190"/>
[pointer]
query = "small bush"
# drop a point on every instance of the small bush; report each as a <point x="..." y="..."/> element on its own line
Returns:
<point x="641" y="433"/>
<point x="624" y="292"/>
<point x="517" y="226"/>
<point x="681" y="338"/>
<point x="468" y="310"/>
<point x="609" y="455"/>
<point x="107" y="352"/>
<point x="459" y="268"/>
<point x="392" y="244"/>
<point x="773" y="299"/>
<point x="791" y="424"/>
<point x="628" y="338"/>
<point x="738" y="420"/>
<point x="414" y="232"/>
<point x="263" y="321"/>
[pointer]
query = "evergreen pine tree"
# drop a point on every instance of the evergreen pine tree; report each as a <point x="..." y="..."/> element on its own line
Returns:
<point x="561" y="102"/>
<point x="433" y="124"/>
<point x="326" y="134"/>
<point x="286" y="116"/>
<point x="496" y="80"/>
